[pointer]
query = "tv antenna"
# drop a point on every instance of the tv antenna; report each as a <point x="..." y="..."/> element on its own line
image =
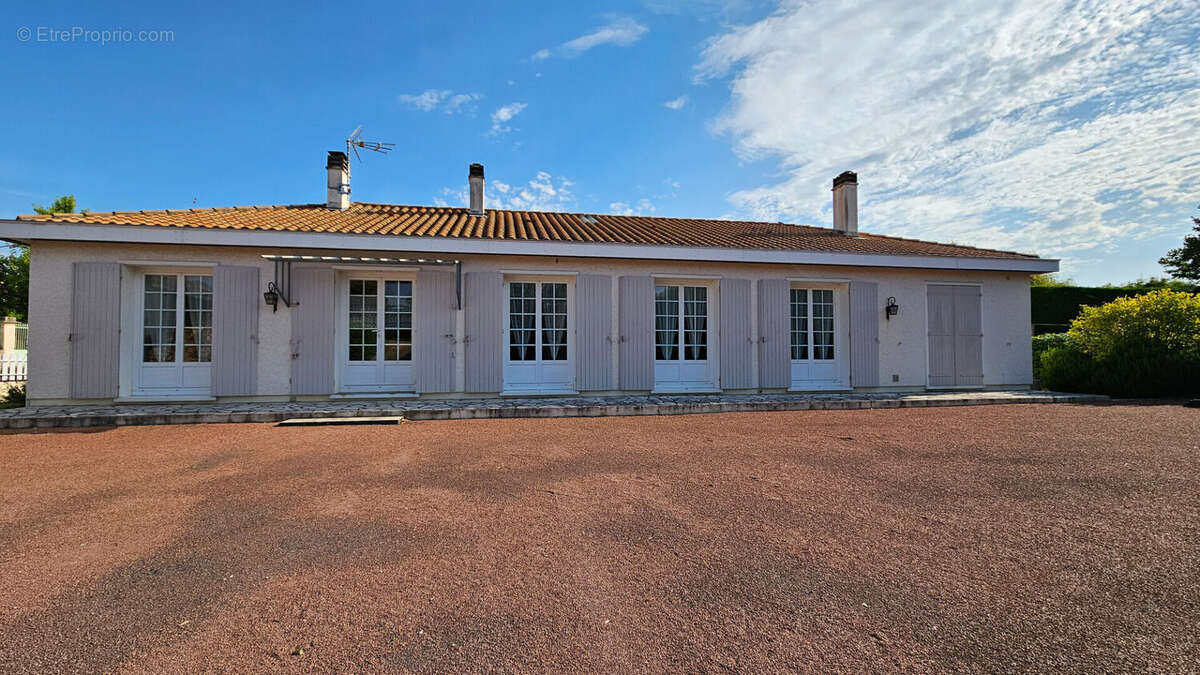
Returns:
<point x="356" y="141"/>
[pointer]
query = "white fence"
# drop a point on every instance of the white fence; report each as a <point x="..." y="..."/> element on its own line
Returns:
<point x="14" y="366"/>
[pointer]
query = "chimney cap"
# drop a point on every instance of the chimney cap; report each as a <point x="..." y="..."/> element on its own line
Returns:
<point x="475" y="170"/>
<point x="845" y="177"/>
<point x="337" y="160"/>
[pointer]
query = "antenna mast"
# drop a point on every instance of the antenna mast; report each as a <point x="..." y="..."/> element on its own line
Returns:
<point x="356" y="141"/>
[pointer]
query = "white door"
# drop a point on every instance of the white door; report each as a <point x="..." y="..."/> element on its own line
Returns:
<point x="681" y="339"/>
<point x="818" y="358"/>
<point x="538" y="346"/>
<point x="377" y="353"/>
<point x="176" y="354"/>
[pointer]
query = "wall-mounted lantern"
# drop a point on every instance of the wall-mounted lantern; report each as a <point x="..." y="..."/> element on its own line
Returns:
<point x="891" y="309"/>
<point x="272" y="296"/>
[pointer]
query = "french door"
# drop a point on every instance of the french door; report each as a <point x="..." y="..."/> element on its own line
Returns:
<point x="538" y="346"/>
<point x="681" y="339"/>
<point x="176" y="346"/>
<point x="377" y="352"/>
<point x="818" y="361"/>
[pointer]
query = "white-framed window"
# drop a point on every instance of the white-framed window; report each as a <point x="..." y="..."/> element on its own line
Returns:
<point x="375" y="331"/>
<point x="168" y="334"/>
<point x="680" y="323"/>
<point x="376" y="303"/>
<point x="812" y="329"/>
<point x="539" y="349"/>
<point x="537" y="334"/>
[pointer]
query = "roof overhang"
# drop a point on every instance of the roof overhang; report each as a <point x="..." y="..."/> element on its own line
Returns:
<point x="25" y="231"/>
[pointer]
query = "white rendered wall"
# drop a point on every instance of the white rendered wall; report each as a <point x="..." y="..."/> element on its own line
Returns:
<point x="902" y="340"/>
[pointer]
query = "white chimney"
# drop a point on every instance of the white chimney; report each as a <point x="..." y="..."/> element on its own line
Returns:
<point x="845" y="203"/>
<point x="337" y="167"/>
<point x="475" y="178"/>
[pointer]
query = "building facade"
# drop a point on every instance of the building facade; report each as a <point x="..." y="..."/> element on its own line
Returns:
<point x="350" y="300"/>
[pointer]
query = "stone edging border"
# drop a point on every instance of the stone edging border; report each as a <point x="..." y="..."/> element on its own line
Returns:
<point x="487" y="411"/>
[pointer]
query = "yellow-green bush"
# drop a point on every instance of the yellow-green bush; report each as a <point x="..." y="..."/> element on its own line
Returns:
<point x="1143" y="346"/>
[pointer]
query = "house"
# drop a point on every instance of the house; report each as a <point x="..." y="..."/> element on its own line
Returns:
<point x="348" y="299"/>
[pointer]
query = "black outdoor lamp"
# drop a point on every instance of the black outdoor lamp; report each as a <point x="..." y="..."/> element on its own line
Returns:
<point x="891" y="309"/>
<point x="272" y="296"/>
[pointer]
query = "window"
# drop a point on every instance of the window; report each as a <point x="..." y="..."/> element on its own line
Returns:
<point x="397" y="321"/>
<point x="366" y="314"/>
<point x="812" y="324"/>
<point x="799" y="324"/>
<point x="554" y="322"/>
<point x="158" y="321"/>
<point x="522" y="321"/>
<point x="169" y="335"/>
<point x="197" y="318"/>
<point x="666" y="323"/>
<point x="681" y="318"/>
<point x="537" y="321"/>
<point x="364" y="308"/>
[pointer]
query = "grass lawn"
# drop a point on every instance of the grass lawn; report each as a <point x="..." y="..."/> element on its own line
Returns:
<point x="1011" y="537"/>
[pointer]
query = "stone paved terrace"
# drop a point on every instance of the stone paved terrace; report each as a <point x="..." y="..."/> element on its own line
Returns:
<point x="443" y="409"/>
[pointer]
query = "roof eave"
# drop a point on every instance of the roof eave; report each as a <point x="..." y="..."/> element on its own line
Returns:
<point x="139" y="234"/>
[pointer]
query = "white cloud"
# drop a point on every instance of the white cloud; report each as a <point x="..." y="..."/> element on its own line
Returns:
<point x="543" y="192"/>
<point x="1046" y="126"/>
<point x="642" y="208"/>
<point x="621" y="32"/>
<point x="449" y="101"/>
<point x="540" y="55"/>
<point x="677" y="103"/>
<point x="503" y="115"/>
<point x="460" y="102"/>
<point x="426" y="100"/>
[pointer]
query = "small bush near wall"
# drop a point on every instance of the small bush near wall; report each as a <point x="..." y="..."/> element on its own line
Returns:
<point x="1147" y="346"/>
<point x="1041" y="345"/>
<point x="13" y="398"/>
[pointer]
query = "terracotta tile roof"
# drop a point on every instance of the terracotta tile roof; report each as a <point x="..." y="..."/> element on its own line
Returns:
<point x="436" y="221"/>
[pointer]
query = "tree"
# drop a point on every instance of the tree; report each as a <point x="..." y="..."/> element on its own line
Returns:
<point x="14" y="283"/>
<point x="64" y="204"/>
<point x="1049" y="281"/>
<point x="1184" y="262"/>
<point x="14" y="266"/>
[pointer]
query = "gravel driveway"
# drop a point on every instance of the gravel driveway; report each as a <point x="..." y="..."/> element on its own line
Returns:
<point x="985" y="538"/>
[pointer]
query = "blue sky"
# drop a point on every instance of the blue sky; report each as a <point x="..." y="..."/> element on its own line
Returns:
<point x="1069" y="129"/>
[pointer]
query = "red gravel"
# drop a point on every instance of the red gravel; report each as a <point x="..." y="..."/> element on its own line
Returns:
<point x="974" y="538"/>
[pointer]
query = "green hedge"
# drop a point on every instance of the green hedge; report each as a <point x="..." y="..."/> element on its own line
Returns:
<point x="1147" y="346"/>
<point x="1053" y="308"/>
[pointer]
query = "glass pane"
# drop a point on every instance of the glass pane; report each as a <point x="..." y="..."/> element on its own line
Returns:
<point x="799" y="332"/>
<point x="554" y="322"/>
<point x="197" y="304"/>
<point x="695" y="323"/>
<point x="362" y="317"/>
<point x="522" y="321"/>
<point x="822" y="324"/>
<point x="666" y="323"/>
